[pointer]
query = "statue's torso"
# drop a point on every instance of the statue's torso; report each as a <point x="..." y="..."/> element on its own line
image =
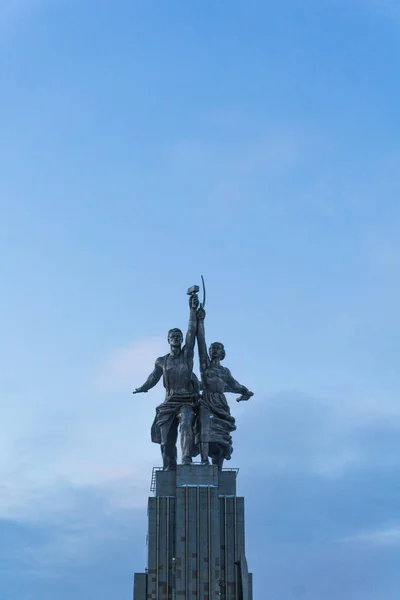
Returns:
<point x="214" y="378"/>
<point x="178" y="377"/>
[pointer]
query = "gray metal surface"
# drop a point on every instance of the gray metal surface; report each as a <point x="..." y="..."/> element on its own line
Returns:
<point x="195" y="537"/>
<point x="200" y="413"/>
<point x="244" y="577"/>
<point x="140" y="586"/>
<point x="227" y="482"/>
<point x="250" y="586"/>
<point x="164" y="483"/>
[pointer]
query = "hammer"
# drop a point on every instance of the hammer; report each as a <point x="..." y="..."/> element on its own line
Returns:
<point x="193" y="290"/>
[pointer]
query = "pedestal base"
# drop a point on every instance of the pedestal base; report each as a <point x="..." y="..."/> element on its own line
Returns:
<point x="196" y="538"/>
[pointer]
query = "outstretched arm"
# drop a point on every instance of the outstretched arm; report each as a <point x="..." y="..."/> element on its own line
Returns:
<point x="234" y="386"/>
<point x="201" y="340"/>
<point x="191" y="332"/>
<point x="152" y="379"/>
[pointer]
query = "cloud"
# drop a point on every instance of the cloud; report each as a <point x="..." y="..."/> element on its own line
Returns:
<point x="128" y="367"/>
<point x="318" y="473"/>
<point x="379" y="537"/>
<point x="319" y="480"/>
<point x="99" y="436"/>
<point x="86" y="549"/>
<point x="309" y="534"/>
<point x="273" y="154"/>
<point x="328" y="570"/>
<point x="323" y="436"/>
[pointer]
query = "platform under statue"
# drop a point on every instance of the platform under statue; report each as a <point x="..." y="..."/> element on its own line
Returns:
<point x="196" y="533"/>
<point x="198" y="409"/>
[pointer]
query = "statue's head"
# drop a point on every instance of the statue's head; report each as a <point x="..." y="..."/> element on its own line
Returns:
<point x="217" y="351"/>
<point x="175" y="337"/>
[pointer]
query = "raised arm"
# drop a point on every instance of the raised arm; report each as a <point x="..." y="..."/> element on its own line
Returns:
<point x="191" y="332"/>
<point x="201" y="340"/>
<point x="152" y="379"/>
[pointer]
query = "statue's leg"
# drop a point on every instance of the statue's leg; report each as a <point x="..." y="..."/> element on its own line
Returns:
<point x="204" y="414"/>
<point x="218" y="459"/>
<point x="169" y="436"/>
<point x="186" y="419"/>
<point x="204" y="449"/>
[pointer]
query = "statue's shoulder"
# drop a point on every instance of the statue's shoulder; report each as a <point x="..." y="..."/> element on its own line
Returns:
<point x="160" y="362"/>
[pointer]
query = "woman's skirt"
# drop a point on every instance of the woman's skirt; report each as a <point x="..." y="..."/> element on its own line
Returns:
<point x="215" y="423"/>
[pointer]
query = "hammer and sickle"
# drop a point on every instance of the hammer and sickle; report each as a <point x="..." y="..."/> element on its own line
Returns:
<point x="195" y="288"/>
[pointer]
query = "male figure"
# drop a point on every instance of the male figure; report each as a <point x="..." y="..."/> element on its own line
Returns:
<point x="181" y="393"/>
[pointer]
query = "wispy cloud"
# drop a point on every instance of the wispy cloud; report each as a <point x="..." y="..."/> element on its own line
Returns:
<point x="97" y="440"/>
<point x="324" y="436"/>
<point x="126" y="368"/>
<point x="389" y="536"/>
<point x="225" y="172"/>
<point x="68" y="542"/>
<point x="315" y="529"/>
<point x="321" y="452"/>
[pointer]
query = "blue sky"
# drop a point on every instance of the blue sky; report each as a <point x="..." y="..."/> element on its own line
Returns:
<point x="143" y="143"/>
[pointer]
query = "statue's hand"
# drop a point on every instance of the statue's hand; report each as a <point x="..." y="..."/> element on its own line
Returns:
<point x="201" y="314"/>
<point x="138" y="391"/>
<point x="194" y="301"/>
<point x="245" y="396"/>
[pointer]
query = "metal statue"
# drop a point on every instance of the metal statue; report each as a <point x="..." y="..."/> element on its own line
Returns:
<point x="200" y="412"/>
<point x="215" y="420"/>
<point x="181" y="392"/>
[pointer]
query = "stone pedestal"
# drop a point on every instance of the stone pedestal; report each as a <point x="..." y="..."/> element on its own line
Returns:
<point x="196" y="538"/>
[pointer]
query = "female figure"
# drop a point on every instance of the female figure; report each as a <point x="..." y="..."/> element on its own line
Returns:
<point x="216" y="421"/>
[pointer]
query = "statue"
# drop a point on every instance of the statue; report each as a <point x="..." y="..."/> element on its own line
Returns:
<point x="204" y="421"/>
<point x="181" y="392"/>
<point x="215" y="420"/>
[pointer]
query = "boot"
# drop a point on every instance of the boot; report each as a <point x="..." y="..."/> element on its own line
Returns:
<point x="169" y="458"/>
<point x="186" y="445"/>
<point x="204" y="446"/>
<point x="218" y="460"/>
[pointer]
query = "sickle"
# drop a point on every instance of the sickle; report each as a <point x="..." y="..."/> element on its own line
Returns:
<point x="204" y="292"/>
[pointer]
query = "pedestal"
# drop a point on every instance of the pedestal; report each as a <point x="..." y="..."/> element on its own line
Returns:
<point x="196" y="538"/>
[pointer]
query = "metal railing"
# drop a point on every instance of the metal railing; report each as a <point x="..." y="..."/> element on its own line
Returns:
<point x="153" y="478"/>
<point x="156" y="469"/>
